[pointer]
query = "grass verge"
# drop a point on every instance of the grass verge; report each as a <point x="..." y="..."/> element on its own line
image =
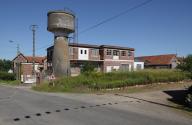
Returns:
<point x="10" y="82"/>
<point x="102" y="81"/>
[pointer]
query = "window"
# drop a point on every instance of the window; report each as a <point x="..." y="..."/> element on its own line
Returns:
<point x="109" y="52"/>
<point x="95" y="52"/>
<point x="115" y="52"/>
<point x="129" y="53"/>
<point x="71" y="50"/>
<point x="124" y="67"/>
<point x="123" y="53"/>
<point x="81" y="51"/>
<point x="85" y="51"/>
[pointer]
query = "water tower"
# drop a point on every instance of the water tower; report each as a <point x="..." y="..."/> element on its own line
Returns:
<point x="61" y="23"/>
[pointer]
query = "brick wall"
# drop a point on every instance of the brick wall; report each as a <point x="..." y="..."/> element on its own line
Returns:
<point x="26" y="69"/>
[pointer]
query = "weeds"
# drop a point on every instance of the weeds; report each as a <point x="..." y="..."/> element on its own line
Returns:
<point x="114" y="80"/>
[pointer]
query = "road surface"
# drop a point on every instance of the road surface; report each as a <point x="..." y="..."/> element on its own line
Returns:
<point x="20" y="106"/>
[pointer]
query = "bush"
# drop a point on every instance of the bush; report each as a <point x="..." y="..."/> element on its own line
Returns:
<point x="87" y="67"/>
<point x="188" y="98"/>
<point x="7" y="76"/>
<point x="186" y="65"/>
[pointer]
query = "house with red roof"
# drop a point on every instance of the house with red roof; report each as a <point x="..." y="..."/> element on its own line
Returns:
<point x="168" y="61"/>
<point x="23" y="66"/>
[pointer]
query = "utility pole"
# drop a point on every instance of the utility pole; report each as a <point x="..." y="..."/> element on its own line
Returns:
<point x="33" y="29"/>
<point x="18" y="46"/>
<point x="18" y="49"/>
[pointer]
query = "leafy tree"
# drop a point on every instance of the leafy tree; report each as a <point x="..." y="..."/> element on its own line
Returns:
<point x="5" y="65"/>
<point x="186" y="65"/>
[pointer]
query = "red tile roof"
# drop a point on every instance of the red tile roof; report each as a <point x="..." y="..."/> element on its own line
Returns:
<point x="157" y="59"/>
<point x="37" y="59"/>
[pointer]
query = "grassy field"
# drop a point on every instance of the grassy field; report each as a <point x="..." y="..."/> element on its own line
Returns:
<point x="103" y="81"/>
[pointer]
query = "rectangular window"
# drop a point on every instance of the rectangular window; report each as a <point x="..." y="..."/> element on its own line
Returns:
<point x="115" y="52"/>
<point x="81" y="51"/>
<point x="109" y="51"/>
<point x="124" y="67"/>
<point x="95" y="52"/>
<point x="85" y="51"/>
<point x="123" y="53"/>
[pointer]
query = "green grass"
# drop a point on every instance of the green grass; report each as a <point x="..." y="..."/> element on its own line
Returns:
<point x="10" y="82"/>
<point x="98" y="81"/>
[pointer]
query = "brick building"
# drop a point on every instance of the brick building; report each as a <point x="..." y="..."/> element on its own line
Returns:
<point x="168" y="61"/>
<point x="23" y="66"/>
<point x="105" y="58"/>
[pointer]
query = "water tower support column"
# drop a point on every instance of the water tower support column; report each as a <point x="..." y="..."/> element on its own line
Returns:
<point x="61" y="61"/>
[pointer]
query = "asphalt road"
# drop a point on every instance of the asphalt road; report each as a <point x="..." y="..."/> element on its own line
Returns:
<point x="20" y="106"/>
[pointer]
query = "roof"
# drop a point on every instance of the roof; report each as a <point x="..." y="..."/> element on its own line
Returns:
<point x="157" y="59"/>
<point x="37" y="59"/>
<point x="83" y="45"/>
<point x="116" y="47"/>
<point x="29" y="59"/>
<point x="20" y="54"/>
<point x="97" y="46"/>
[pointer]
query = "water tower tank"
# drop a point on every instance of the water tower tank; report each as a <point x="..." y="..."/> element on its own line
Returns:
<point x="61" y="21"/>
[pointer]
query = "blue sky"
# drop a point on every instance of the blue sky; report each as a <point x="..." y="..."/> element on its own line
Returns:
<point x="160" y="27"/>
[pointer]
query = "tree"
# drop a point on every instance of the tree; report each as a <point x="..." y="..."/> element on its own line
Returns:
<point x="5" y="65"/>
<point x="186" y="65"/>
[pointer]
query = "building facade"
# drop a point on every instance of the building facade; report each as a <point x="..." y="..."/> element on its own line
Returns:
<point x="23" y="66"/>
<point x="105" y="58"/>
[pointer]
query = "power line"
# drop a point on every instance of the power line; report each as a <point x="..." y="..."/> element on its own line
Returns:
<point x="115" y="16"/>
<point x="112" y="18"/>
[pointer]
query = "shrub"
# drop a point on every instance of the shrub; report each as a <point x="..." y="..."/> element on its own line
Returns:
<point x="188" y="98"/>
<point x="186" y="65"/>
<point x="7" y="76"/>
<point x="87" y="67"/>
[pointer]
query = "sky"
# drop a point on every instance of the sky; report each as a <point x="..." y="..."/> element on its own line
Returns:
<point x="159" y="27"/>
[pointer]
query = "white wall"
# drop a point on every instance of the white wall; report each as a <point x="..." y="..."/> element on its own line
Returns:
<point x="138" y="63"/>
<point x="83" y="53"/>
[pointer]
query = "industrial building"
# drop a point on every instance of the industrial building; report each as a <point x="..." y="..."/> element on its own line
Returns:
<point x="105" y="58"/>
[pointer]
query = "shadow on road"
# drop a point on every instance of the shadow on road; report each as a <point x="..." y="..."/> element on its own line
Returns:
<point x="152" y="102"/>
<point x="177" y="96"/>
